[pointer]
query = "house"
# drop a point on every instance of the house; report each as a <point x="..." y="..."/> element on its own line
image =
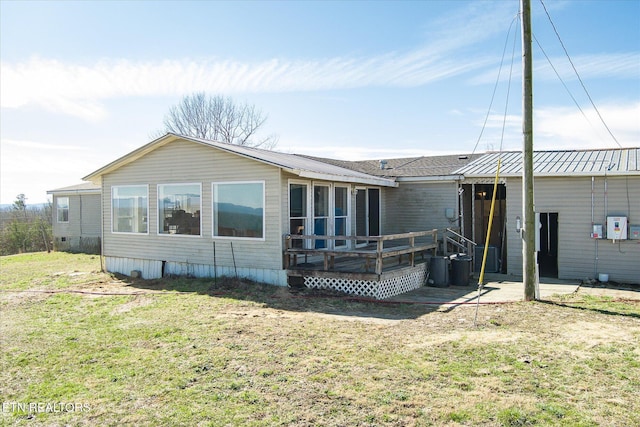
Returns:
<point x="187" y="206"/>
<point x="587" y="204"/>
<point x="426" y="196"/>
<point x="76" y="218"/>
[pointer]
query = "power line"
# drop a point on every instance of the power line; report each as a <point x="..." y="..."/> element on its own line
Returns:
<point x="578" y="75"/>
<point x="495" y="87"/>
<point x="561" y="81"/>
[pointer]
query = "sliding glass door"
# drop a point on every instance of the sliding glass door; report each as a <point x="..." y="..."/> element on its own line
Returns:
<point x="367" y="213"/>
<point x="322" y="209"/>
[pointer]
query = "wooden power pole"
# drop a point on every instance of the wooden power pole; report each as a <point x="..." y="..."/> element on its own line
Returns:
<point x="528" y="210"/>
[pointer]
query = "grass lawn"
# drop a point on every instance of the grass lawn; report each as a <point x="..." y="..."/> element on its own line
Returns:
<point x="93" y="349"/>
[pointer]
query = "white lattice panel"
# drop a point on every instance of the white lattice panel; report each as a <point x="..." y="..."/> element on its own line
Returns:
<point x="379" y="290"/>
<point x="354" y="287"/>
<point x="401" y="284"/>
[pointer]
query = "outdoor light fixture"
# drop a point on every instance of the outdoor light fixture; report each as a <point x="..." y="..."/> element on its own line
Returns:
<point x="518" y="224"/>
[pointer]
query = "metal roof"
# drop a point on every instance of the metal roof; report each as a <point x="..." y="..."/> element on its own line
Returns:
<point x="618" y="161"/>
<point x="298" y="165"/>
<point x="85" y="187"/>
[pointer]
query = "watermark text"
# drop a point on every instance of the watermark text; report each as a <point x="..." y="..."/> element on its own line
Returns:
<point x="44" y="407"/>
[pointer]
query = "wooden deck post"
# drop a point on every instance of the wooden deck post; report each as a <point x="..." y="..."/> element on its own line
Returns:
<point x="379" y="248"/>
<point x="412" y="255"/>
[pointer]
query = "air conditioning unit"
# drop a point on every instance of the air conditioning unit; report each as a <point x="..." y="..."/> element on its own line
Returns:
<point x="493" y="259"/>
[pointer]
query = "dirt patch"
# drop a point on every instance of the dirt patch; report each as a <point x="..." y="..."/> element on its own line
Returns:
<point x="137" y="301"/>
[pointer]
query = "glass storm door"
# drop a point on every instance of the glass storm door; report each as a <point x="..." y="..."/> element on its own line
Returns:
<point x="298" y="213"/>
<point x="321" y="214"/>
<point x="367" y="213"/>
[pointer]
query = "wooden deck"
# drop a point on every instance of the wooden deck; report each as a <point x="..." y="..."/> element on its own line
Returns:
<point x="374" y="268"/>
<point x="373" y="257"/>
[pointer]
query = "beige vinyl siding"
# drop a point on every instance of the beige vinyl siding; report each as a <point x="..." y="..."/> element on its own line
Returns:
<point x="419" y="206"/>
<point x="570" y="197"/>
<point x="514" y="241"/>
<point x="70" y="227"/>
<point x="82" y="232"/>
<point x="91" y="218"/>
<point x="188" y="162"/>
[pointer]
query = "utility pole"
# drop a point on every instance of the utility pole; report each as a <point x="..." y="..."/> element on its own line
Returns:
<point x="528" y="210"/>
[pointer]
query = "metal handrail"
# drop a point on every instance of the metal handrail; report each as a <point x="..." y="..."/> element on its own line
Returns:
<point x="461" y="237"/>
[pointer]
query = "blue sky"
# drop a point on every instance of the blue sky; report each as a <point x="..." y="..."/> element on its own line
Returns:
<point x="83" y="83"/>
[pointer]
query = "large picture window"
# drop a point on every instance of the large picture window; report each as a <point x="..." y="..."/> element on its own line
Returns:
<point x="238" y="209"/>
<point x="130" y="206"/>
<point x="179" y="207"/>
<point x="62" y="208"/>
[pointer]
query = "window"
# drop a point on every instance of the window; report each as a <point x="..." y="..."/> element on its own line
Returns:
<point x="179" y="208"/>
<point x="238" y="209"/>
<point x="321" y="213"/>
<point x="62" y="207"/>
<point x="130" y="206"/>
<point x="297" y="211"/>
<point x="341" y="203"/>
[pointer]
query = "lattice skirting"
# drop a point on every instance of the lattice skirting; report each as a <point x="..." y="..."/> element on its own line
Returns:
<point x="385" y="288"/>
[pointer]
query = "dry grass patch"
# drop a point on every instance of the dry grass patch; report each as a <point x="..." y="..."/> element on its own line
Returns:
<point x="194" y="352"/>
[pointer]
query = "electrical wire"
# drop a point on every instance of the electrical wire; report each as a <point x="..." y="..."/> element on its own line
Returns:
<point x="495" y="87"/>
<point x="575" y="101"/>
<point x="578" y="75"/>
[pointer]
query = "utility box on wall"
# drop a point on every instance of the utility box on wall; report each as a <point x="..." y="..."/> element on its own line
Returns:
<point x="617" y="227"/>
<point x="596" y="233"/>
<point x="634" y="232"/>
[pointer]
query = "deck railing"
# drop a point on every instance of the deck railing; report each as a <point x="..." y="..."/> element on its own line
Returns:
<point x="377" y="248"/>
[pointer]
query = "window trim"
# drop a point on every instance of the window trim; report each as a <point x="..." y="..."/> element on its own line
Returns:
<point x="306" y="244"/>
<point x="58" y="209"/>
<point x="214" y="196"/>
<point x="347" y="217"/>
<point x="146" y="186"/>
<point x="158" y="198"/>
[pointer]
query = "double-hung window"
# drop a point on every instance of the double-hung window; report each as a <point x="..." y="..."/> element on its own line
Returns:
<point x="179" y="207"/>
<point x="62" y="209"/>
<point x="130" y="207"/>
<point x="238" y="209"/>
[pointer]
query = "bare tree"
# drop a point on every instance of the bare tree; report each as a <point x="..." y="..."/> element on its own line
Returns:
<point x="218" y="118"/>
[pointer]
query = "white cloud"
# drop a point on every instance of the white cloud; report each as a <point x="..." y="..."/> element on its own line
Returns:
<point x="39" y="145"/>
<point x="614" y="65"/>
<point x="78" y="89"/>
<point x="559" y="128"/>
<point x="33" y="167"/>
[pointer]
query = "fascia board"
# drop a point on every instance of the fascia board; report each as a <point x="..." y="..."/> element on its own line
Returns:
<point x="344" y="178"/>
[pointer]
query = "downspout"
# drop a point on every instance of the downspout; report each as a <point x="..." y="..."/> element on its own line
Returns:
<point x="80" y="198"/>
<point x="473" y="214"/>
<point x="103" y="267"/>
<point x="595" y="261"/>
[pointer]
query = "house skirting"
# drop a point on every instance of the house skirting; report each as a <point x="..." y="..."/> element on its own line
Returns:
<point x="381" y="286"/>
<point x="82" y="244"/>
<point x="156" y="269"/>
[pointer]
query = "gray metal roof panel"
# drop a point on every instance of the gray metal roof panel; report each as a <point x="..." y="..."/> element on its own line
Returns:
<point x="296" y="164"/>
<point x="618" y="161"/>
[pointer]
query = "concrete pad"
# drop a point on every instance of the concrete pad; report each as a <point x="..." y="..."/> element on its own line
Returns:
<point x="506" y="288"/>
<point x="498" y="288"/>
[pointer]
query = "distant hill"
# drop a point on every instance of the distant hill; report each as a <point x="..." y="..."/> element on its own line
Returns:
<point x="7" y="206"/>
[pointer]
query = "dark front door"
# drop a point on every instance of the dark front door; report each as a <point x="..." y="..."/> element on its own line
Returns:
<point x="548" y="255"/>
